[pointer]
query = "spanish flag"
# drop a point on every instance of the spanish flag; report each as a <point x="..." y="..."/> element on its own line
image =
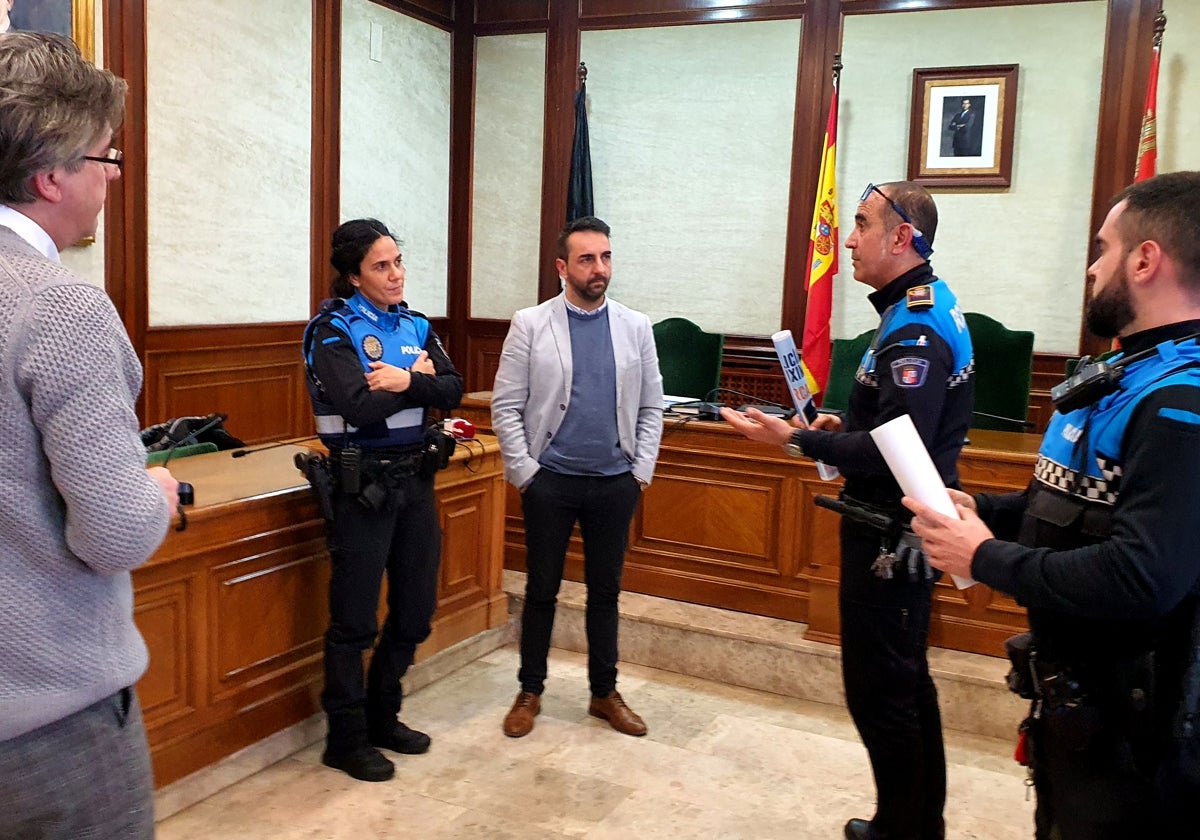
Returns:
<point x="816" y="346"/>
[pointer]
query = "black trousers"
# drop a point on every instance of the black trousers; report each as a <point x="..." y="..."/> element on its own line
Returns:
<point x="405" y="541"/>
<point x="1094" y="782"/>
<point x="890" y="695"/>
<point x="603" y="506"/>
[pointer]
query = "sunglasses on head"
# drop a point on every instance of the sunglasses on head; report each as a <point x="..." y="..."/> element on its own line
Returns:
<point x="918" y="239"/>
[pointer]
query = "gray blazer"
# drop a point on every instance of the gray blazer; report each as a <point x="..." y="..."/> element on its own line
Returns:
<point x="533" y="387"/>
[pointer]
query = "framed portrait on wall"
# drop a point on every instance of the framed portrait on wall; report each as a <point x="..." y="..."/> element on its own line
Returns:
<point x="961" y="129"/>
<point x="74" y="18"/>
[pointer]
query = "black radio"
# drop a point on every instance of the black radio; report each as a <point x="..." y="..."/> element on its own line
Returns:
<point x="1093" y="381"/>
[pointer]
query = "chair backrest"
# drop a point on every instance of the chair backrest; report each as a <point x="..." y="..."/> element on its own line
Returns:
<point x="843" y="364"/>
<point x="688" y="357"/>
<point x="1003" y="372"/>
<point x="178" y="452"/>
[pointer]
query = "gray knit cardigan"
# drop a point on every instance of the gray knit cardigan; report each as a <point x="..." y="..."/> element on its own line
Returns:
<point x="77" y="508"/>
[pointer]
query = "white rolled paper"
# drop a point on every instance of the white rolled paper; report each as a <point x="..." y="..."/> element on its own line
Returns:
<point x="909" y="461"/>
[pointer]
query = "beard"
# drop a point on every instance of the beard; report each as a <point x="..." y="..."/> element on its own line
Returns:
<point x="1111" y="311"/>
<point x="592" y="289"/>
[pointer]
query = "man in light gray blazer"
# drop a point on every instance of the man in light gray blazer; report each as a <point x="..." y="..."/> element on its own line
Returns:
<point x="577" y="406"/>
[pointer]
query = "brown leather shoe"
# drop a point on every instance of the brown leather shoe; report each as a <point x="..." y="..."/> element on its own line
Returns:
<point x="619" y="716"/>
<point x="519" y="720"/>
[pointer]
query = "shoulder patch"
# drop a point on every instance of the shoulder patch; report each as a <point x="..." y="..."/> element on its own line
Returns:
<point x="910" y="372"/>
<point x="920" y="297"/>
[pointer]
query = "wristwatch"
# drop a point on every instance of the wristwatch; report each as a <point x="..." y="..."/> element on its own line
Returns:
<point x="792" y="447"/>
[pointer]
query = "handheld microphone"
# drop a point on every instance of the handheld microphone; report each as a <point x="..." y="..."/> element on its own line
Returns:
<point x="185" y="491"/>
<point x="806" y="409"/>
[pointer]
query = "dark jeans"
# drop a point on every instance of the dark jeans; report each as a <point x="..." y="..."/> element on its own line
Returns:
<point x="405" y="541"/>
<point x="890" y="695"/>
<point x="552" y="504"/>
<point x="85" y="777"/>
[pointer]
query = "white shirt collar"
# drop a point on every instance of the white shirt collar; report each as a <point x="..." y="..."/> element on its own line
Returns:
<point x="587" y="313"/>
<point x="30" y="231"/>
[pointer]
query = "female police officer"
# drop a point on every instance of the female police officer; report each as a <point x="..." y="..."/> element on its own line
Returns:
<point x="375" y="368"/>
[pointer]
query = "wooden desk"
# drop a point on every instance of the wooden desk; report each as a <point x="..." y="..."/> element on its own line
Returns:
<point x="234" y="608"/>
<point x="731" y="523"/>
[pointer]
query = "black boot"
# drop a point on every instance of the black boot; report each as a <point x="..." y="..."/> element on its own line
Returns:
<point x="347" y="749"/>
<point x="363" y="762"/>
<point x="399" y="738"/>
<point x="858" y="830"/>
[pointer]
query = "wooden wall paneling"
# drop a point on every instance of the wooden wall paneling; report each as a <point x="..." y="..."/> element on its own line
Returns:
<point x="822" y="558"/>
<point x="508" y="13"/>
<point x="562" y="62"/>
<point x="471" y="594"/>
<point x="326" y="143"/>
<point x="462" y="167"/>
<point x="188" y="625"/>
<point x="440" y="13"/>
<point x="125" y="237"/>
<point x="170" y="616"/>
<point x="867" y="6"/>
<point x="1127" y="52"/>
<point x="705" y="512"/>
<point x="750" y="366"/>
<point x="254" y="373"/>
<point x="626" y="14"/>
<point x="1049" y="369"/>
<point x="255" y="632"/>
<point x="483" y="353"/>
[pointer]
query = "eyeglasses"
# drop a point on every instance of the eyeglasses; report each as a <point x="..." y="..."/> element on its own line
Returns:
<point x="114" y="156"/>
<point x="922" y="247"/>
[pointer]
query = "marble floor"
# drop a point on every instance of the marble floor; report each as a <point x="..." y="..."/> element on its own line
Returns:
<point x="718" y="762"/>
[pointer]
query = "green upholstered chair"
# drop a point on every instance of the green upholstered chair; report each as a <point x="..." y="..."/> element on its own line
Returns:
<point x="689" y="358"/>
<point x="843" y="364"/>
<point x="153" y="458"/>
<point x="1003" y="371"/>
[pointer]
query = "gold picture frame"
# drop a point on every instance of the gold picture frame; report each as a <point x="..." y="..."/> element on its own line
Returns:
<point x="962" y="127"/>
<point x="75" y="19"/>
<point x="83" y="27"/>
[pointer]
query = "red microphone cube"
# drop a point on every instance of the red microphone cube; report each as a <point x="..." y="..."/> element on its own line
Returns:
<point x="458" y="427"/>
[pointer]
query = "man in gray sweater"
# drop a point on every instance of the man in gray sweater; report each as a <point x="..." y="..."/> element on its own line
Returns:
<point x="78" y="508"/>
<point x="577" y="407"/>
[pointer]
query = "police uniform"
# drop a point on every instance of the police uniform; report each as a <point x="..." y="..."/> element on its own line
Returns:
<point x="919" y="363"/>
<point x="389" y="521"/>
<point x="1109" y="570"/>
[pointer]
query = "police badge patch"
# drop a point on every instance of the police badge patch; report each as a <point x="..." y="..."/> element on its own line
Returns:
<point x="372" y="348"/>
<point x="910" y="372"/>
